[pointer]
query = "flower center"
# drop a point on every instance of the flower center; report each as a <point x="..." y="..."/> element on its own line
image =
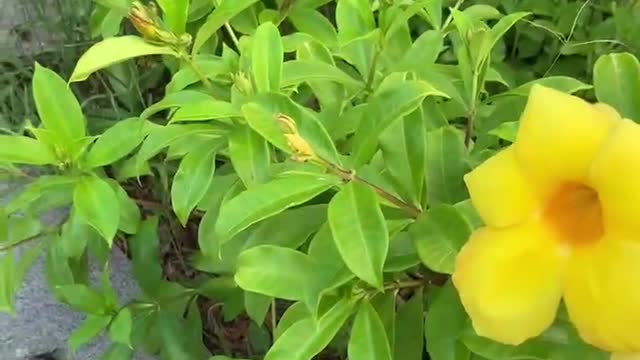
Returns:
<point x="574" y="212"/>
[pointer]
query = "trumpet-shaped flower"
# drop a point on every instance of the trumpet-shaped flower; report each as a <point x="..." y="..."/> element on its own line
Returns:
<point x="561" y="208"/>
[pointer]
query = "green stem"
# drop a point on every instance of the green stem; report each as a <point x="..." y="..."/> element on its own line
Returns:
<point x="203" y="78"/>
<point x="404" y="284"/>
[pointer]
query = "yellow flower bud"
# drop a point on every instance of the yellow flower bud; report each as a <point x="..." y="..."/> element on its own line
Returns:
<point x="302" y="151"/>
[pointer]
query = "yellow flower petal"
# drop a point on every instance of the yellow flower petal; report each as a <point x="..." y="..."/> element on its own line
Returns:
<point x="620" y="356"/>
<point x="500" y="192"/>
<point x="509" y="281"/>
<point x="559" y="135"/>
<point x="603" y="297"/>
<point x="615" y="174"/>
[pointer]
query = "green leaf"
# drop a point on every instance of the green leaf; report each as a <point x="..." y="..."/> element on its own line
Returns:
<point x="482" y="12"/>
<point x="129" y="211"/>
<point x="438" y="235"/>
<point x="92" y="326"/>
<point x="290" y="228"/>
<point x="562" y="83"/>
<point x="274" y="271"/>
<point x="292" y="315"/>
<point x="82" y="298"/>
<point x="205" y="109"/>
<point x="12" y="275"/>
<point x="163" y="136"/>
<point x="314" y="23"/>
<point x="298" y="71"/>
<point x="250" y="155"/>
<point x="257" y="306"/>
<point x="210" y="66"/>
<point x="25" y="150"/>
<point x="58" y="109"/>
<point x="262" y="112"/>
<point x="368" y="339"/>
<point x="409" y="324"/>
<point x="115" y="50"/>
<point x="176" y="100"/>
<point x="96" y="203"/>
<point x="116" y="142"/>
<point x="267" y="56"/>
<point x="496" y="33"/>
<point x="360" y="231"/>
<point x="38" y="190"/>
<point x="75" y="235"/>
<point x="191" y="182"/>
<point x="268" y="199"/>
<point x="403" y="146"/>
<point x="175" y="14"/>
<point x="616" y="78"/>
<point x="118" y="352"/>
<point x="507" y="130"/>
<point x="306" y="338"/>
<point x="446" y="166"/>
<point x="424" y="50"/>
<point x="120" y="329"/>
<point x="145" y="253"/>
<point x="385" y="307"/>
<point x="19" y="229"/>
<point x="398" y="98"/>
<point x="225" y="11"/>
<point x="402" y="253"/>
<point x="444" y="323"/>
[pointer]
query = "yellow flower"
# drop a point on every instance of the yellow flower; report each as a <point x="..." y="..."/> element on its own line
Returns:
<point x="302" y="151"/>
<point x="562" y="214"/>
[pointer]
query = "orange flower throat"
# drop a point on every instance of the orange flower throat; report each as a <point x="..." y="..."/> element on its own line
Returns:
<point x="575" y="213"/>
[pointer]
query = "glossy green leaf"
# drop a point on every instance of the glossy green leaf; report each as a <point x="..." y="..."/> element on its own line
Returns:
<point x="91" y="328"/>
<point x="268" y="199"/>
<point x="82" y="298"/>
<point x="145" y="253"/>
<point x="20" y="228"/>
<point x="395" y="100"/>
<point x="306" y="338"/>
<point x="438" y="235"/>
<point x="409" y="323"/>
<point x="118" y="352"/>
<point x="129" y="212"/>
<point x="424" y="50"/>
<point x="368" y="339"/>
<point x="116" y="142"/>
<point x="292" y="315"/>
<point x="210" y="66"/>
<point x="25" y="150"/>
<point x="616" y="78"/>
<point x="262" y="112"/>
<point x="96" y="203"/>
<point x="257" y="306"/>
<point x="360" y="232"/>
<point x="298" y="71"/>
<point x="58" y="109"/>
<point x="482" y="12"/>
<point x="313" y="22"/>
<point x="175" y="14"/>
<point x="290" y="228"/>
<point x="385" y="307"/>
<point x="176" y="100"/>
<point x="274" y="271"/>
<point x="497" y="32"/>
<point x="115" y="50"/>
<point x="445" y="321"/>
<point x="250" y="155"/>
<point x="403" y="146"/>
<point x="507" y="130"/>
<point x="224" y="12"/>
<point x="191" y="182"/>
<point x="267" y="56"/>
<point x="120" y="328"/>
<point x="12" y="274"/>
<point x="402" y="253"/>
<point x="446" y="166"/>
<point x="561" y="83"/>
<point x="206" y="109"/>
<point x="75" y="235"/>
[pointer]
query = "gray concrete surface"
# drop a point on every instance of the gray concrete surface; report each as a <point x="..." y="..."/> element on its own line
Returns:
<point x="43" y="325"/>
